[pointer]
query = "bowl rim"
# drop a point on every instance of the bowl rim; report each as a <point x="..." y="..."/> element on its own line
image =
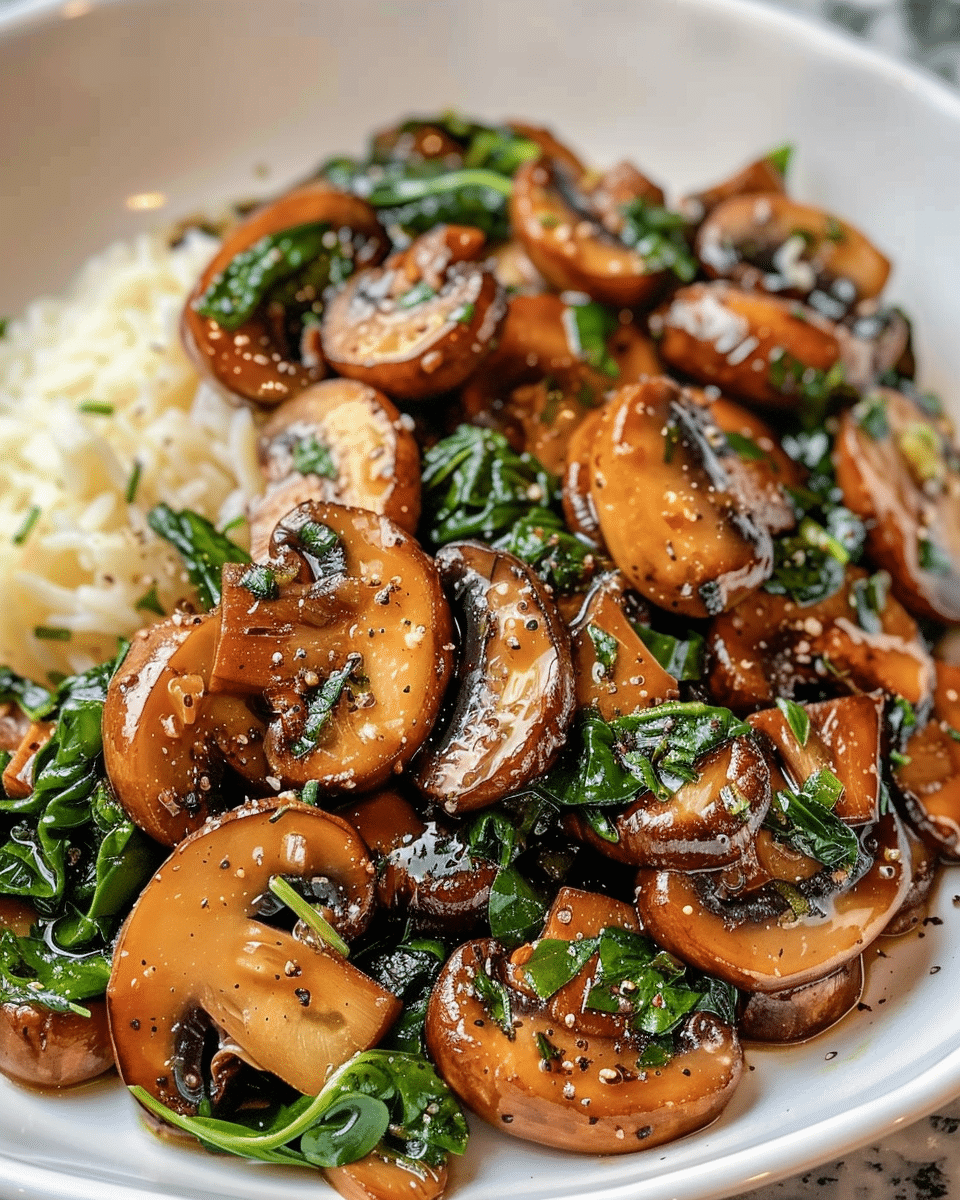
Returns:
<point x="21" y="16"/>
<point x="866" y="1122"/>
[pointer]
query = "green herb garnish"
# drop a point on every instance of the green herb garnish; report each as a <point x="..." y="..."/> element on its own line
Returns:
<point x="312" y="457"/>
<point x="797" y="718"/>
<point x="659" y="237"/>
<point x="203" y="549"/>
<point x="26" y="525"/>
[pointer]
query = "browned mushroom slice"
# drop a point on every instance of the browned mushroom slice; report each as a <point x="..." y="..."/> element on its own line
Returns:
<point x="14" y="726"/>
<point x="785" y="933"/>
<point x="341" y="442"/>
<point x="768" y="242"/>
<point x="425" y="869"/>
<point x="17" y="778"/>
<point x="578" y="506"/>
<point x="615" y="672"/>
<point x="701" y="548"/>
<point x="421" y="323"/>
<point x="765" y="349"/>
<point x="346" y="634"/>
<point x="929" y="782"/>
<point x="569" y="225"/>
<point x="43" y="1048"/>
<point x="799" y="1013"/>
<point x="382" y="1176"/>
<point x="767" y="469"/>
<point x="529" y="1073"/>
<point x="707" y="823"/>
<point x="843" y="736"/>
<point x="255" y="359"/>
<point x="898" y="469"/>
<point x="924" y="864"/>
<point x="873" y="341"/>
<point x="770" y="646"/>
<point x="197" y="952"/>
<point x="516" y="694"/>
<point x="762" y="175"/>
<point x="167" y="738"/>
<point x="551" y="146"/>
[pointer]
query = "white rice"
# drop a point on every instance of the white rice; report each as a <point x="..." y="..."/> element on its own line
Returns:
<point x="90" y="557"/>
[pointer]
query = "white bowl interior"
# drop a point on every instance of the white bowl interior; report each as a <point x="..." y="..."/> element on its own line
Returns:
<point x="201" y="102"/>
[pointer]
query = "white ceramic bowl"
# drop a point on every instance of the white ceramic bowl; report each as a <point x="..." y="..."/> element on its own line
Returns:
<point x="112" y="107"/>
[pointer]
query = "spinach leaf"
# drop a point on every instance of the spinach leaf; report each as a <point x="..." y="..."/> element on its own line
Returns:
<point x="379" y="1098"/>
<point x="516" y="909"/>
<point x="797" y="718"/>
<point x="683" y="658"/>
<point x="932" y="557"/>
<point x="590" y="771"/>
<point x="494" y="995"/>
<point x="555" y="961"/>
<point x="476" y="485"/>
<point x="541" y="539"/>
<point x="805" y="820"/>
<point x="203" y="549"/>
<point x="605" y="649"/>
<point x="320" y="706"/>
<point x="409" y="970"/>
<point x="237" y="292"/>
<point x="31" y="972"/>
<point x="588" y="326"/>
<point x="311" y="457"/>
<point x="660" y="237"/>
<point x="870" y="599"/>
<point x="33" y="700"/>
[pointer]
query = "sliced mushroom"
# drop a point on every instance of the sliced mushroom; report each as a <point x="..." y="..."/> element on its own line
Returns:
<point x="766" y="468"/>
<point x="770" y="646"/>
<point x="348" y="638"/>
<point x="255" y="361"/>
<point x="43" y="1048"/>
<point x="341" y="442"/>
<point x="707" y="823"/>
<point x="929" y="783"/>
<point x="701" y="548"/>
<point x="421" y="323"/>
<point x="900" y="471"/>
<point x="425" y="869"/>
<point x="625" y="676"/>
<point x="762" y="175"/>
<point x="531" y="1079"/>
<point x="17" y="778"/>
<point x="569" y="224"/>
<point x="14" y="726"/>
<point x="770" y="243"/>
<point x="843" y="737"/>
<point x="516" y="694"/>
<point x="760" y="347"/>
<point x="799" y="1013"/>
<point x="167" y="737"/>
<point x="382" y="1176"/>
<point x="924" y="864"/>
<point x="196" y="948"/>
<point x="758" y="940"/>
<point x="578" y="506"/>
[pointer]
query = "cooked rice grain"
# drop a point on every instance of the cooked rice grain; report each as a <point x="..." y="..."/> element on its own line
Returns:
<point x="111" y="342"/>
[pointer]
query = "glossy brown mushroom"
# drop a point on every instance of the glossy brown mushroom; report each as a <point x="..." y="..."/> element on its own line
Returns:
<point x="898" y="470"/>
<point x="569" y="225"/>
<point x="579" y="509"/>
<point x="634" y="679"/>
<point x="929" y="783"/>
<point x="761" y="175"/>
<point x="43" y="1048"/>
<point x="770" y="243"/>
<point x="756" y="940"/>
<point x="425" y="870"/>
<point x="515" y="698"/>
<point x="770" y="646"/>
<point x="509" y="1081"/>
<point x="196" y="953"/>
<point x="749" y="344"/>
<point x="252" y="362"/>
<point x="799" y="1013"/>
<point x="420" y="324"/>
<point x="369" y="615"/>
<point x="707" y="823"/>
<point x="167" y="737"/>
<point x="843" y="737"/>
<point x="17" y="778"/>
<point x="341" y="442"/>
<point x="382" y="1176"/>
<point x="702" y="547"/>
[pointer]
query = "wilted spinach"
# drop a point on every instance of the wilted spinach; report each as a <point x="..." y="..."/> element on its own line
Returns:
<point x="203" y="549"/>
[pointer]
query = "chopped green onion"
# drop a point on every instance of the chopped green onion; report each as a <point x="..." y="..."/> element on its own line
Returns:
<point x="96" y="408"/>
<point x="52" y="633"/>
<point x="134" y="483"/>
<point x="32" y="517"/>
